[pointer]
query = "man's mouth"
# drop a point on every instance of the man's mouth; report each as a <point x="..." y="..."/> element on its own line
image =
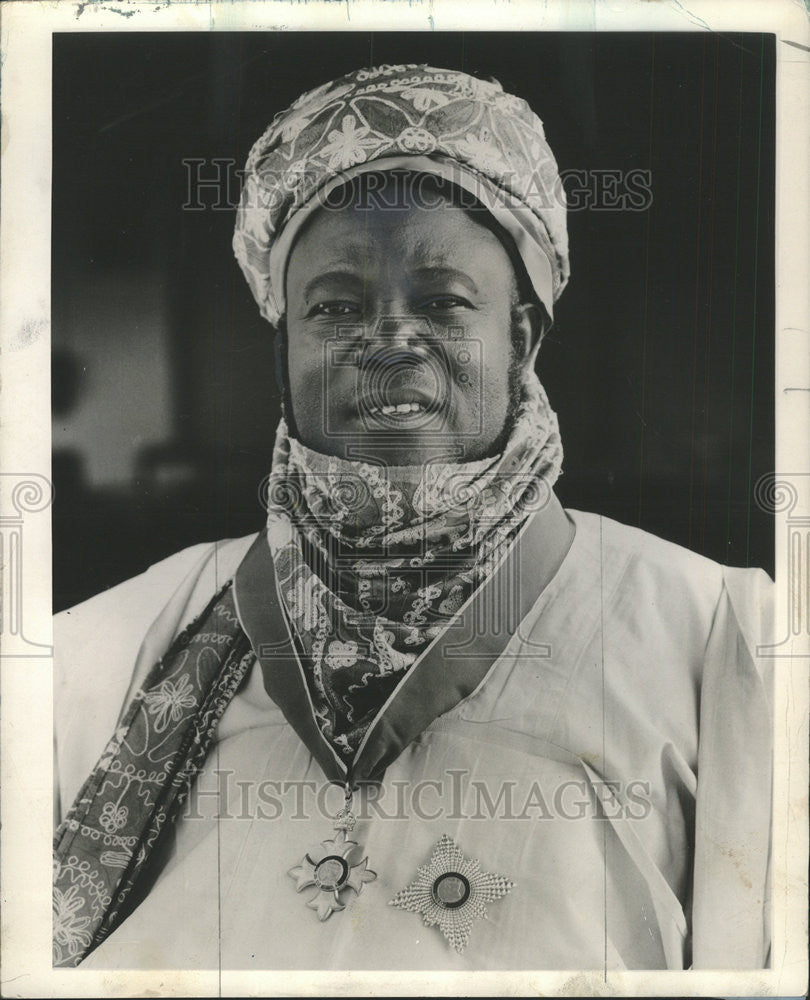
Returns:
<point x="400" y="405"/>
<point x="398" y="410"/>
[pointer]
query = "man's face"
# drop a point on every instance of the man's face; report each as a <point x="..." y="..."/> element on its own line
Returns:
<point x="403" y="340"/>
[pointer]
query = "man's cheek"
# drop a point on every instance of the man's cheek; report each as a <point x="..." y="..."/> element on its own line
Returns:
<point x="492" y="390"/>
<point x="306" y="374"/>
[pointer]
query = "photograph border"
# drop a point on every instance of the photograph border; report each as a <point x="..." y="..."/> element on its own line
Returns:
<point x="25" y="493"/>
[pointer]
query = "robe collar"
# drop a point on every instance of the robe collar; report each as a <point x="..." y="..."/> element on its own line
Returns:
<point x="448" y="671"/>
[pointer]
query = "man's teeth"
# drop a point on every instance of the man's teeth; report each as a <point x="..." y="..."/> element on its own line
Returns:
<point x="401" y="408"/>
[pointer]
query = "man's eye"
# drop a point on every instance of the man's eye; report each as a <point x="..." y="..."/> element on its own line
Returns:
<point x="335" y="308"/>
<point x="444" y="303"/>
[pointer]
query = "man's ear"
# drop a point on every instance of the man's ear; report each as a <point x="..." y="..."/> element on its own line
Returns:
<point x="528" y="326"/>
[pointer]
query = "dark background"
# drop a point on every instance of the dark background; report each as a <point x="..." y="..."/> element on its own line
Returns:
<point x="660" y="365"/>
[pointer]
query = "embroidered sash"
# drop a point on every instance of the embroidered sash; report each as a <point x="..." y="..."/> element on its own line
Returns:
<point x="134" y="794"/>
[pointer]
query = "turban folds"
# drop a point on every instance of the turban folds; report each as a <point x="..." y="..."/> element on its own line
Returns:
<point x="435" y="121"/>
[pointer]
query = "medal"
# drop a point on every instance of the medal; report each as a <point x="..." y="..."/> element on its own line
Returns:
<point x="451" y="891"/>
<point x="329" y="869"/>
<point x="454" y="896"/>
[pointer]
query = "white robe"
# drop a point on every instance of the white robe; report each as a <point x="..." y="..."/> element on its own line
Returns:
<point x="636" y="667"/>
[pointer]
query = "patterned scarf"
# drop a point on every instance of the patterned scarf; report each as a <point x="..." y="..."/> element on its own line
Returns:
<point x="373" y="561"/>
<point x="103" y="847"/>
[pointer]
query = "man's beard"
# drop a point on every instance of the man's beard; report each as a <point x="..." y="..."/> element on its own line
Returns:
<point x="514" y="389"/>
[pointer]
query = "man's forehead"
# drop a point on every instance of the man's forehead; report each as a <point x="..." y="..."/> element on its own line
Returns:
<point x="439" y="238"/>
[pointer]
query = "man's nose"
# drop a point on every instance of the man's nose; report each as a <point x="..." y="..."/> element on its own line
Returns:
<point x="409" y="332"/>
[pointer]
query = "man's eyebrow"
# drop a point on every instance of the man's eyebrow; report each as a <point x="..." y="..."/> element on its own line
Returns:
<point x="440" y="271"/>
<point x="326" y="277"/>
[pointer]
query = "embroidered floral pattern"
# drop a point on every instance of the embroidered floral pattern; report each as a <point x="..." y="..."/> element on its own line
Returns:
<point x="166" y="703"/>
<point x="425" y="99"/>
<point x="416" y="140"/>
<point x="349" y="145"/>
<point x="143" y="777"/>
<point x="71" y="927"/>
<point x="304" y="604"/>
<point x="341" y="654"/>
<point x="479" y="148"/>
<point x="113" y="817"/>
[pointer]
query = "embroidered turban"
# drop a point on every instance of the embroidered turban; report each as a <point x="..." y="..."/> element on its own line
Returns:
<point x="441" y="122"/>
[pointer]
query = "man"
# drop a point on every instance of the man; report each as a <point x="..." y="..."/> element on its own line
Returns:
<point x="427" y="718"/>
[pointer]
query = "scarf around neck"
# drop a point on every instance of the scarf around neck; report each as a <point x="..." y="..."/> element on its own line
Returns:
<point x="374" y="561"/>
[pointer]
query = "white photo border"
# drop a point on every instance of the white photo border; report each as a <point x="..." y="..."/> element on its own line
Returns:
<point x="26" y="31"/>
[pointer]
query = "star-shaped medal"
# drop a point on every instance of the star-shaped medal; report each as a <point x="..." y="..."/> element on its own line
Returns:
<point x="451" y="890"/>
<point x="329" y="870"/>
